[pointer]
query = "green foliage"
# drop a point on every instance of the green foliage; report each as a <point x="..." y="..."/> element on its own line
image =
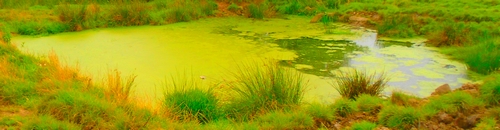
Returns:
<point x="5" y="33"/>
<point x="351" y="84"/>
<point x="193" y="103"/>
<point x="400" y="26"/>
<point x="490" y="91"/>
<point x="344" y="107"/>
<point x="257" y="10"/>
<point x="363" y="125"/>
<point x="482" y="57"/>
<point x="458" y="101"/>
<point x="234" y="7"/>
<point x="187" y="100"/>
<point x="266" y="87"/>
<point x="282" y="120"/>
<point x="319" y="111"/>
<point x="368" y="103"/>
<point x="37" y="28"/>
<point x="18" y="92"/>
<point x="46" y="122"/>
<point x="399" y="117"/>
<point x="81" y="108"/>
<point x="487" y="124"/>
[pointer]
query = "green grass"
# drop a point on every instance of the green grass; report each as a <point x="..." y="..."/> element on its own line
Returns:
<point x="490" y="91"/>
<point x="399" y="117"/>
<point x="368" y="103"/>
<point x="320" y="112"/>
<point x="267" y="87"/>
<point x="482" y="57"/>
<point x="458" y="101"/>
<point x="285" y="120"/>
<point x="187" y="100"/>
<point x="487" y="124"/>
<point x="363" y="125"/>
<point x="257" y="10"/>
<point x="46" y="122"/>
<point x="351" y="84"/>
<point x="344" y="107"/>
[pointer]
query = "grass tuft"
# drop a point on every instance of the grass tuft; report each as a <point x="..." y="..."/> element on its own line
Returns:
<point x="320" y="112"/>
<point x="399" y="117"/>
<point x="267" y="87"/>
<point x="490" y="91"/>
<point x="188" y="101"/>
<point x="351" y="84"/>
<point x="368" y="103"/>
<point x="119" y="89"/>
<point x="344" y="107"/>
<point x="363" y="125"/>
<point x="458" y="101"/>
<point x="282" y="120"/>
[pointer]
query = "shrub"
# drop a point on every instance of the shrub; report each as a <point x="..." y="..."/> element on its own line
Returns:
<point x="189" y="101"/>
<point x="363" y="125"/>
<point x="458" y="101"/>
<point x="490" y="91"/>
<point x="399" y="117"/>
<point x="320" y="112"/>
<point x="5" y="34"/>
<point x="351" y="84"/>
<point x="266" y="87"/>
<point x="344" y="107"/>
<point x="368" y="103"/>
<point x="281" y="120"/>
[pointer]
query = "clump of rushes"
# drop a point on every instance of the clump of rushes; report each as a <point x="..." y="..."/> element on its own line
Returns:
<point x="351" y="84"/>
<point x="264" y="87"/>
<point x="344" y="107"/>
<point x="399" y="117"/>
<point x="458" y="101"/>
<point x="285" y="120"/>
<point x="490" y="91"/>
<point x="364" y="125"/>
<point x="187" y="100"/>
<point x="368" y="103"/>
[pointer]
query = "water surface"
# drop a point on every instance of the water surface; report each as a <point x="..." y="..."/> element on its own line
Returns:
<point x="212" y="48"/>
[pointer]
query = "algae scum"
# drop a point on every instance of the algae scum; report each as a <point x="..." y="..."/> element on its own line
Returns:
<point x="212" y="48"/>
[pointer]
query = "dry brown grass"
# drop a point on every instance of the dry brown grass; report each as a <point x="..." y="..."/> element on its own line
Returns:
<point x="117" y="88"/>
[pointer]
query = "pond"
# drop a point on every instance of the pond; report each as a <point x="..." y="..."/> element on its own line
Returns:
<point x="213" y="47"/>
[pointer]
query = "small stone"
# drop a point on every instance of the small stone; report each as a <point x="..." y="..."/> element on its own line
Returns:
<point x="472" y="120"/>
<point x="443" y="89"/>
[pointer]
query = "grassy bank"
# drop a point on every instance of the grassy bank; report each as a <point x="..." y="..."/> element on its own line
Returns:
<point x="42" y="93"/>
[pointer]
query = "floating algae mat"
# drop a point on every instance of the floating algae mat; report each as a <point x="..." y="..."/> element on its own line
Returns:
<point x="213" y="48"/>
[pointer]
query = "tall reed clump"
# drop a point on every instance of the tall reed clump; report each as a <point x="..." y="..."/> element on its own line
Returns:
<point x="118" y="89"/>
<point x="351" y="84"/>
<point x="266" y="87"/>
<point x="187" y="100"/>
